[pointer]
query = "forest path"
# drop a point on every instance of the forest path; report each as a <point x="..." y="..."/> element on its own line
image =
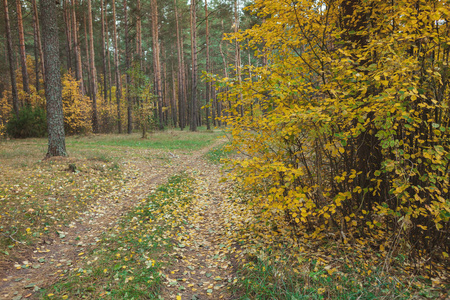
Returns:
<point x="52" y="258"/>
<point x="203" y="268"/>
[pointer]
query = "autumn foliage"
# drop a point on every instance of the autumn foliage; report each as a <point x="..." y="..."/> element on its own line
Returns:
<point x="345" y="131"/>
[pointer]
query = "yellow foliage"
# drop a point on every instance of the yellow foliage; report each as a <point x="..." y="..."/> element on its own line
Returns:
<point x="346" y="128"/>
<point x="5" y="112"/>
<point x="76" y="107"/>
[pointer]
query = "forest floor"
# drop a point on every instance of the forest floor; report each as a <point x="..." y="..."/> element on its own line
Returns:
<point x="130" y="218"/>
<point x="50" y="242"/>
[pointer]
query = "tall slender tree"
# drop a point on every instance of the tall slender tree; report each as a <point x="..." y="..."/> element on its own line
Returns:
<point x="181" y="102"/>
<point x="128" y="66"/>
<point x="53" y="86"/>
<point x="116" y="65"/>
<point x="76" y="49"/>
<point x="38" y="43"/>
<point x="95" y="125"/>
<point x="156" y="61"/>
<point x="12" y="71"/>
<point x="193" y="108"/>
<point x="208" y="85"/>
<point x="105" y="79"/>
<point x="23" y="55"/>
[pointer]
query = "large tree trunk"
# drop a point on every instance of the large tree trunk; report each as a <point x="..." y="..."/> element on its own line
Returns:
<point x="181" y="102"/>
<point x="139" y="34"/>
<point x="156" y="61"/>
<point x="128" y="65"/>
<point x="77" y="50"/>
<point x="12" y="72"/>
<point x="193" y="110"/>
<point x="116" y="63"/>
<point x="93" y="76"/>
<point x="23" y="55"/>
<point x="53" y="86"/>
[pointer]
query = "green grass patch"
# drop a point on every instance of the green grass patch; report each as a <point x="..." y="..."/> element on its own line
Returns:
<point x="168" y="140"/>
<point x="289" y="276"/>
<point x="126" y="262"/>
<point x="217" y="154"/>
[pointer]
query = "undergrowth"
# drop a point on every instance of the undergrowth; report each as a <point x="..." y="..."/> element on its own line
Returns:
<point x="126" y="262"/>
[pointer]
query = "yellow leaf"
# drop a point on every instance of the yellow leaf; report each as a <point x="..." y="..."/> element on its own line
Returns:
<point x="178" y="297"/>
<point x="445" y="254"/>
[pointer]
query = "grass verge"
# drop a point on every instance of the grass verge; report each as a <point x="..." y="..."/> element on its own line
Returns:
<point x="126" y="263"/>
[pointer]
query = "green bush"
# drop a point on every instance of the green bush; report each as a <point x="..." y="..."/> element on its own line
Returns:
<point x="32" y="122"/>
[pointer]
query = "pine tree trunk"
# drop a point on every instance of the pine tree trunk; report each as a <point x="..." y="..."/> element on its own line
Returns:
<point x="36" y="52"/>
<point x="237" y="54"/>
<point x="12" y="71"/>
<point x="77" y="50"/>
<point x="156" y="61"/>
<point x="68" y="30"/>
<point x="105" y="79"/>
<point x="181" y="102"/>
<point x="88" y="65"/>
<point x="208" y="84"/>
<point x="108" y="56"/>
<point x="38" y="36"/>
<point x="53" y="86"/>
<point x="174" y="99"/>
<point x="128" y="65"/>
<point x="93" y="76"/>
<point x="23" y="55"/>
<point x="193" y="108"/>
<point x="117" y="71"/>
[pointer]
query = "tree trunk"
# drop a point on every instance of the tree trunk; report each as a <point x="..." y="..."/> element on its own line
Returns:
<point x="36" y="51"/>
<point x="53" y="86"/>
<point x="23" y="55"/>
<point x="128" y="65"/>
<point x="116" y="64"/>
<point x="174" y="97"/>
<point x="88" y="65"/>
<point x="193" y="123"/>
<point x="105" y="79"/>
<point x="76" y="49"/>
<point x="156" y="61"/>
<point x="93" y="81"/>
<point x="12" y="72"/>
<point x="38" y="36"/>
<point x="68" y="30"/>
<point x="108" y="56"/>
<point x="237" y="54"/>
<point x="208" y="84"/>
<point x="139" y="34"/>
<point x="181" y="102"/>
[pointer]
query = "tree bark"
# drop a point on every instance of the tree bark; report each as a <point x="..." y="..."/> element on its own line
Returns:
<point x="38" y="36"/>
<point x="12" y="72"/>
<point x="68" y="30"/>
<point x="181" y="102"/>
<point x="93" y="81"/>
<point x="193" y="111"/>
<point x="23" y="55"/>
<point x="208" y="84"/>
<point x="53" y="86"/>
<point x="117" y="71"/>
<point x="156" y="61"/>
<point x="76" y="49"/>
<point x="128" y="65"/>
<point x="108" y="55"/>
<point x="105" y="79"/>
<point x="88" y="65"/>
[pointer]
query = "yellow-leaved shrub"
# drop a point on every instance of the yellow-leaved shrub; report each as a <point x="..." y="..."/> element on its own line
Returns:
<point x="77" y="108"/>
<point x="345" y="130"/>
